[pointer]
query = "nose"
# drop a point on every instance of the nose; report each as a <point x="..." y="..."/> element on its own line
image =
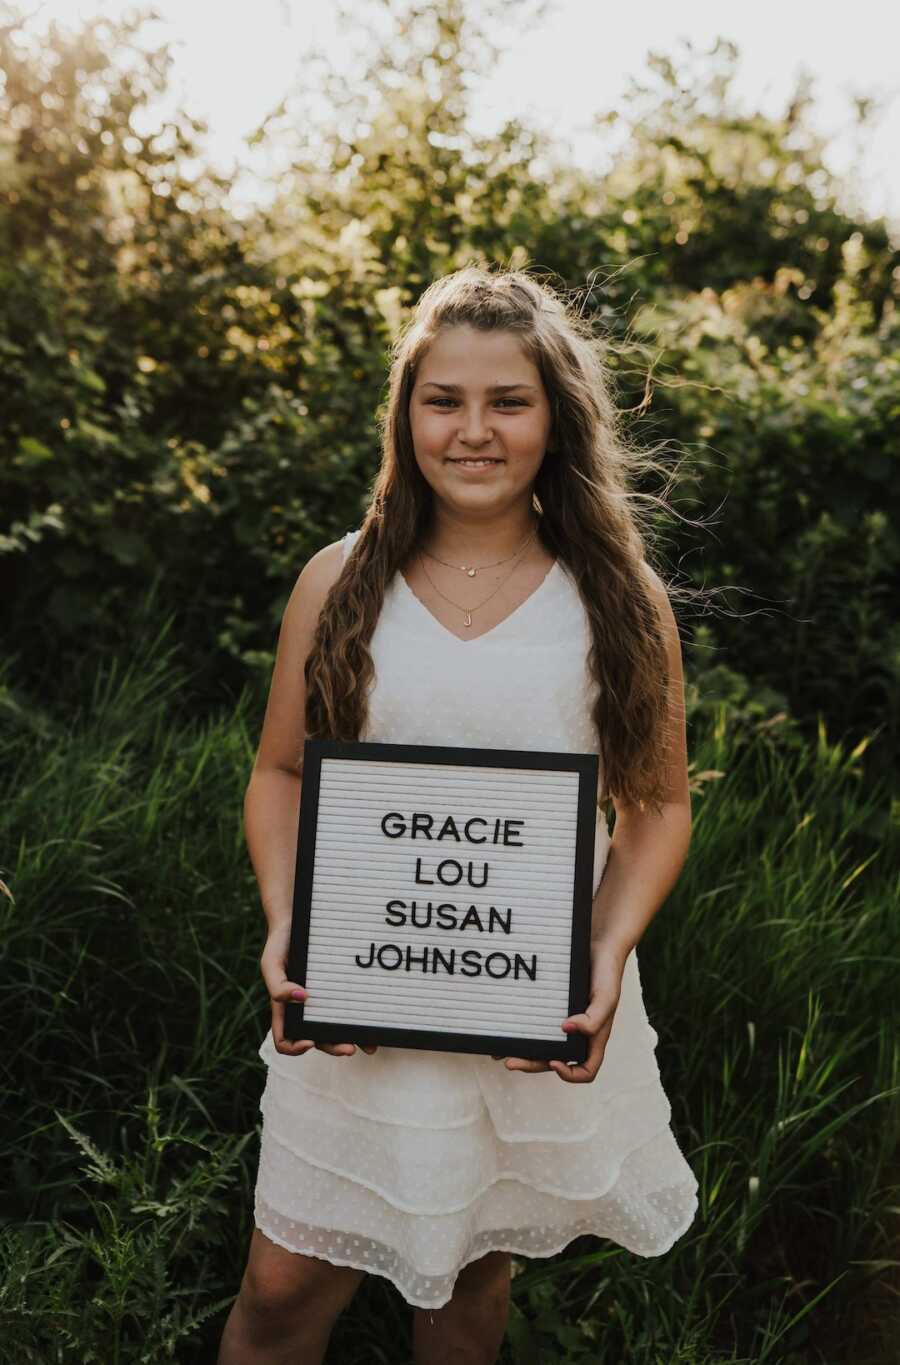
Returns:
<point x="474" y="429"/>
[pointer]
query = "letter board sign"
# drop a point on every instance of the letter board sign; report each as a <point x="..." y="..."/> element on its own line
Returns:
<point x="442" y="897"/>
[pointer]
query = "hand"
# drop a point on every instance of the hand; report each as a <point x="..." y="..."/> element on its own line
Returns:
<point x="273" y="965"/>
<point x="607" y="968"/>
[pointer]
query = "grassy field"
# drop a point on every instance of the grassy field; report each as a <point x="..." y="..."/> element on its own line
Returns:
<point x="133" y="1009"/>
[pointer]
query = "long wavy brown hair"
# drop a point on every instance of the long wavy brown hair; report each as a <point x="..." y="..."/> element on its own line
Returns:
<point x="589" y="518"/>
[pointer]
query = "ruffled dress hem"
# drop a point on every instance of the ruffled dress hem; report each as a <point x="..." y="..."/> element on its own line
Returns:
<point x="373" y="1257"/>
<point x="334" y="1188"/>
<point x="498" y="1244"/>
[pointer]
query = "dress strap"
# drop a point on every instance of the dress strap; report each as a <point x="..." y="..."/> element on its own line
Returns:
<point x="347" y="543"/>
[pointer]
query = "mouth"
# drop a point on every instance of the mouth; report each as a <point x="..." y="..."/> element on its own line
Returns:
<point x="476" y="464"/>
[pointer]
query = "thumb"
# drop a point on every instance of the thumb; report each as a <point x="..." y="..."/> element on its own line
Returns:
<point x="289" y="990"/>
<point x="590" y="1020"/>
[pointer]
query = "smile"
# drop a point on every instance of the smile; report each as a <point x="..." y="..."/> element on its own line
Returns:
<point x="476" y="464"/>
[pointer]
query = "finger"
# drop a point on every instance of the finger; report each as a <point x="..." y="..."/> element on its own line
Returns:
<point x="274" y="969"/>
<point x="286" y="990"/>
<point x="584" y="1072"/>
<point x="575" y="1071"/>
<point x="297" y="1048"/>
<point x="525" y="1064"/>
<point x="591" y="1020"/>
<point x="290" y="1047"/>
<point x="337" y="1049"/>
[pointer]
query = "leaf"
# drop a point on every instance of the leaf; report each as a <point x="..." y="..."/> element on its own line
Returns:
<point x="31" y="452"/>
<point x="126" y="547"/>
<point x="90" y="379"/>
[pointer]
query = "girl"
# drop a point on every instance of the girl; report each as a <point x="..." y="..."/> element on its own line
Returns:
<point x="496" y="595"/>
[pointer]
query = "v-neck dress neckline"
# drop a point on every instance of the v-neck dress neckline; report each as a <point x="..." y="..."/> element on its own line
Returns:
<point x="515" y="615"/>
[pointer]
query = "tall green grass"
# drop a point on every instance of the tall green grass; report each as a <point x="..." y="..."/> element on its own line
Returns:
<point x="133" y="1009"/>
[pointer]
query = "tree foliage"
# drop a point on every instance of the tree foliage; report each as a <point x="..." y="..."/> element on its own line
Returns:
<point x="189" y="395"/>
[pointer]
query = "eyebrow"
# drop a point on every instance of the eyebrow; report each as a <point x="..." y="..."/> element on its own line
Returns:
<point x="495" y="388"/>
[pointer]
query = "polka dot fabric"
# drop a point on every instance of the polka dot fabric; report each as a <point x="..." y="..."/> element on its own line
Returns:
<point x="410" y="1164"/>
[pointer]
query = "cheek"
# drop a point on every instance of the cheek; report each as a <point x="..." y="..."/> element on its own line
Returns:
<point x="425" y="432"/>
<point x="529" y="435"/>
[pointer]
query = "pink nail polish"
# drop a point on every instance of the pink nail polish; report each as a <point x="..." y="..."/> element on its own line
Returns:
<point x="298" y="995"/>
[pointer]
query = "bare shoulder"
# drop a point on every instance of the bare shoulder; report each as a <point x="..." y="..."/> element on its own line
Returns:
<point x="672" y="641"/>
<point x="315" y="580"/>
<point x="283" y="726"/>
<point x="313" y="584"/>
<point x="653" y="579"/>
<point x="660" y="597"/>
<point x="676" y="750"/>
<point x="668" y="623"/>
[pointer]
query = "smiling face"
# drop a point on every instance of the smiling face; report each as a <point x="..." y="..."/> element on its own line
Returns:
<point x="477" y="396"/>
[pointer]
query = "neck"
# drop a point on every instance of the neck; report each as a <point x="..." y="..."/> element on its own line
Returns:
<point x="454" y="536"/>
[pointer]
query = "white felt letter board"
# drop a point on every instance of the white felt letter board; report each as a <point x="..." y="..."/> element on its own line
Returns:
<point x="442" y="897"/>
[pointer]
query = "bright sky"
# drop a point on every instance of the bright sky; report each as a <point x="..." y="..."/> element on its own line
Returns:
<point x="234" y="60"/>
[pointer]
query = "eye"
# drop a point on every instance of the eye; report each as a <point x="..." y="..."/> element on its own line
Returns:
<point x="516" y="402"/>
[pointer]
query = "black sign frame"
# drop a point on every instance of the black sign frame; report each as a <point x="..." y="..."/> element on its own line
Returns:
<point x="571" y="1047"/>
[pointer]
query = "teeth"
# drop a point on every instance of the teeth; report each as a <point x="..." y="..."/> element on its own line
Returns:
<point x="477" y="464"/>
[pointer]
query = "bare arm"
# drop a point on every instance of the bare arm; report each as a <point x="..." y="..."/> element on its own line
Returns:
<point x="645" y="858"/>
<point x="273" y="794"/>
<point x="648" y="851"/>
<point x="272" y="797"/>
<point x="271" y="822"/>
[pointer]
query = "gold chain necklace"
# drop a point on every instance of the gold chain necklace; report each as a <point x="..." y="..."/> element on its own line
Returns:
<point x="469" y="568"/>
<point x="467" y="611"/>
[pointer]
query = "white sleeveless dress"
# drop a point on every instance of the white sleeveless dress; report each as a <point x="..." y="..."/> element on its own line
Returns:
<point x="410" y="1163"/>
